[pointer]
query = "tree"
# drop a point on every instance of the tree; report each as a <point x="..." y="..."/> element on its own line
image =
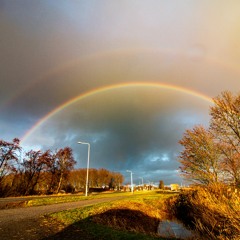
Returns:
<point x="103" y="177"/>
<point x="225" y="123"/>
<point x="225" y="116"/>
<point x="51" y="173"/>
<point x="214" y="154"/>
<point x="200" y="156"/>
<point x="9" y="157"/>
<point x="99" y="178"/>
<point x="161" y="184"/>
<point x="78" y="178"/>
<point x="93" y="177"/>
<point x="230" y="163"/>
<point x="24" y="174"/>
<point x="33" y="164"/>
<point x="118" y="179"/>
<point x="65" y="163"/>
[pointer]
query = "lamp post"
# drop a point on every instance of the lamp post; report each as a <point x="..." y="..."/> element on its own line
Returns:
<point x="86" y="192"/>
<point x="131" y="180"/>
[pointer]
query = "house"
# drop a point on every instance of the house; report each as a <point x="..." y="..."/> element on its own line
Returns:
<point x="174" y="187"/>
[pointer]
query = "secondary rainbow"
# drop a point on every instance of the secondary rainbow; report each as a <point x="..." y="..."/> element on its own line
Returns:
<point x="228" y="66"/>
<point x="110" y="88"/>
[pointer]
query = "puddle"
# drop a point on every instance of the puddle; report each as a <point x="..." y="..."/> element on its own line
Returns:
<point x="174" y="229"/>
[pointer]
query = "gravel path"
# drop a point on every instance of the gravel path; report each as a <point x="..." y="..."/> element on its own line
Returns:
<point x="28" y="223"/>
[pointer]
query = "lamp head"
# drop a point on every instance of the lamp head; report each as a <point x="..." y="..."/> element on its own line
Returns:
<point x="83" y="143"/>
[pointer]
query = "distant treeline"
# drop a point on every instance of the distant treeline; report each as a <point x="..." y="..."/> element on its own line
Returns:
<point x="98" y="178"/>
<point x="38" y="172"/>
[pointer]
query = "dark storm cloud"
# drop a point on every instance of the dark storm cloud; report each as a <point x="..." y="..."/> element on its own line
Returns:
<point x="133" y="128"/>
<point x="53" y="51"/>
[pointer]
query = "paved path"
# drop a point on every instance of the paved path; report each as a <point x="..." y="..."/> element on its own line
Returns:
<point x="25" y="223"/>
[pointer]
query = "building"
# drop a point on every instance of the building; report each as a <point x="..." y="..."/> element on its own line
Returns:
<point x="174" y="187"/>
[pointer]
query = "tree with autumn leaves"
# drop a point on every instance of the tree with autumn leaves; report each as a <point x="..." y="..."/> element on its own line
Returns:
<point x="37" y="172"/>
<point x="213" y="155"/>
<point x="26" y="173"/>
<point x="98" y="178"/>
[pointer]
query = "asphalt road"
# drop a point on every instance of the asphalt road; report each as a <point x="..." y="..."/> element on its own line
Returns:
<point x="25" y="223"/>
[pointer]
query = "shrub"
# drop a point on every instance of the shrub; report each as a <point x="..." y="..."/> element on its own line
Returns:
<point x="213" y="211"/>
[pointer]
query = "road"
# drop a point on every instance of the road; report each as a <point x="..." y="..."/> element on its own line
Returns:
<point x="26" y="223"/>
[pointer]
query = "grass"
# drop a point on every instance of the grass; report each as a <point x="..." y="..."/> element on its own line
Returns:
<point x="136" y="217"/>
<point x="71" y="198"/>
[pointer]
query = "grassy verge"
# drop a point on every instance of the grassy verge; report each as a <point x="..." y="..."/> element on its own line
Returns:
<point x="74" y="198"/>
<point x="136" y="217"/>
<point x="71" y="198"/>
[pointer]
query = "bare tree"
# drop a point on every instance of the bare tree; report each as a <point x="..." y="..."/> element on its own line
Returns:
<point x="65" y="163"/>
<point x="9" y="157"/>
<point x="33" y="164"/>
<point x="225" y="123"/>
<point x="200" y="156"/>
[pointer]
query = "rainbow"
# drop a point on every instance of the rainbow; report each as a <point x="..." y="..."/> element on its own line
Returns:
<point x="110" y="88"/>
<point x="98" y="56"/>
<point x="227" y="66"/>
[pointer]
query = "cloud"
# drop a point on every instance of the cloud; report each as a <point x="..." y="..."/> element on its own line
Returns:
<point x="131" y="128"/>
<point x="52" y="52"/>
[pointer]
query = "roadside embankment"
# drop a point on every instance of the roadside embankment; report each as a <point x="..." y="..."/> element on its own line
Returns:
<point x="214" y="212"/>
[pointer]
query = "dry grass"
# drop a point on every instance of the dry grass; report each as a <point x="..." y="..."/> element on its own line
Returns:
<point x="128" y="220"/>
<point x="131" y="216"/>
<point x="214" y="211"/>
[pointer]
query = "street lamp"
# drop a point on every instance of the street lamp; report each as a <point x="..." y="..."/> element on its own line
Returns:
<point x="131" y="180"/>
<point x="86" y="192"/>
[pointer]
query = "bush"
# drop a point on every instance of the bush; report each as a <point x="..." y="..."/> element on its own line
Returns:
<point x="69" y="188"/>
<point x="213" y="211"/>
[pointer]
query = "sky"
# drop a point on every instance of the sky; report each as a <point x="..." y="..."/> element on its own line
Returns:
<point x="128" y="77"/>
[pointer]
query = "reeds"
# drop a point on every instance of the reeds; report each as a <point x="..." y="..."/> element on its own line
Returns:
<point x="213" y="211"/>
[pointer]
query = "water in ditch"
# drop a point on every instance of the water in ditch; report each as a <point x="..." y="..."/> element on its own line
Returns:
<point x="174" y="229"/>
